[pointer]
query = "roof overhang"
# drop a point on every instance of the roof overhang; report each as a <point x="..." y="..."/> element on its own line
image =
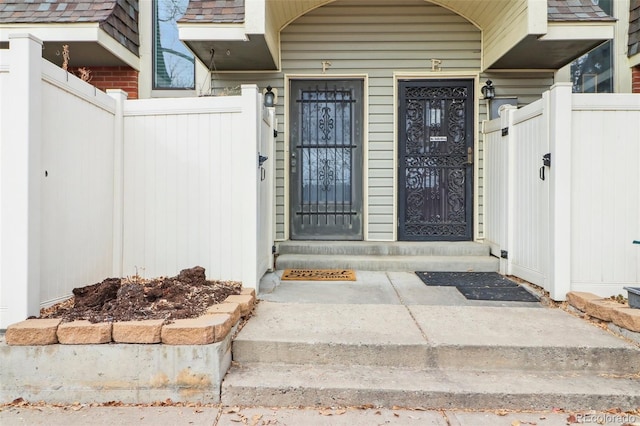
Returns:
<point x="232" y="47"/>
<point x="562" y="43"/>
<point x="235" y="46"/>
<point x="89" y="45"/>
<point x="516" y="34"/>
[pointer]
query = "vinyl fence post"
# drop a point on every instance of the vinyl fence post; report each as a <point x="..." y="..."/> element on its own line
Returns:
<point x="21" y="181"/>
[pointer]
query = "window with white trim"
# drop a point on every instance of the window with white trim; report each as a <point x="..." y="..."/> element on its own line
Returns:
<point x="173" y="63"/>
<point x="593" y="71"/>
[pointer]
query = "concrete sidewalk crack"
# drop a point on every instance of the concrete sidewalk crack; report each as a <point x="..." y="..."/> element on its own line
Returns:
<point x="446" y="418"/>
<point x="424" y="335"/>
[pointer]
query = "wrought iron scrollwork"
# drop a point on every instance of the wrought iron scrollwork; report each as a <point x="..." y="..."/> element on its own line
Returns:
<point x="326" y="124"/>
<point x="434" y="162"/>
<point x="326" y="175"/>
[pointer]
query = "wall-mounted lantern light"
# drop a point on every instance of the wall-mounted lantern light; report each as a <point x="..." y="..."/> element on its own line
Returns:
<point x="488" y="91"/>
<point x="269" y="97"/>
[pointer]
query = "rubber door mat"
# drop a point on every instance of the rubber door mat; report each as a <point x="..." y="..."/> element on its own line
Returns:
<point x="502" y="294"/>
<point x="479" y="285"/>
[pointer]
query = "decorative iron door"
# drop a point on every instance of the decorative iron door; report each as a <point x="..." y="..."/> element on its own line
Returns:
<point x="326" y="159"/>
<point x="435" y="158"/>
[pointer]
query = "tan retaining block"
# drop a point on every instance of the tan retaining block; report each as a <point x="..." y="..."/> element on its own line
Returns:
<point x="231" y="308"/>
<point x="83" y="332"/>
<point x="197" y="331"/>
<point x="33" y="332"/>
<point x="601" y="308"/>
<point x="579" y="299"/>
<point x="249" y="291"/>
<point x="145" y="331"/>
<point x="245" y="301"/>
<point x="626" y="317"/>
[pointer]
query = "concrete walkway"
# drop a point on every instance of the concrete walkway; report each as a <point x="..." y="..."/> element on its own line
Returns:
<point x="390" y="340"/>
<point x="370" y="318"/>
<point x="82" y="415"/>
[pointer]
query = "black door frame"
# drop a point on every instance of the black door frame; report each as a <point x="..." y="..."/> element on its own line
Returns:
<point x="469" y="83"/>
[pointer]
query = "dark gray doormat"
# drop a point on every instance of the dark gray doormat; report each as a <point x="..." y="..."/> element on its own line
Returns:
<point x="479" y="285"/>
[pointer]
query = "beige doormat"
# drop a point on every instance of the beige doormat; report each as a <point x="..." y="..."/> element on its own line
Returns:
<point x="318" y="275"/>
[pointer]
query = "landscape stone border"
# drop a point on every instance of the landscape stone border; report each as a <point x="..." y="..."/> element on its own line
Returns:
<point x="212" y="327"/>
<point x="608" y="310"/>
<point x="133" y="362"/>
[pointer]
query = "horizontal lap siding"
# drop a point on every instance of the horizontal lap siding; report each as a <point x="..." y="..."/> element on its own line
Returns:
<point x="377" y="38"/>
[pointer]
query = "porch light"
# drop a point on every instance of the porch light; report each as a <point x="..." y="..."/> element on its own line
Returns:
<point x="269" y="97"/>
<point x="488" y="91"/>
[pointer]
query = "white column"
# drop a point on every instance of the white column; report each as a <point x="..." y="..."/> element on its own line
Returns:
<point x="118" y="181"/>
<point x="21" y="180"/>
<point x="560" y="191"/>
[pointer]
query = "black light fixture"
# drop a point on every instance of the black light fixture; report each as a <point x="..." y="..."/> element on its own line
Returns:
<point x="269" y="97"/>
<point x="488" y="91"/>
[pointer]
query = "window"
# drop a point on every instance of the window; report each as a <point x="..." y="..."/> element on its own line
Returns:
<point x="593" y="71"/>
<point x="173" y="63"/>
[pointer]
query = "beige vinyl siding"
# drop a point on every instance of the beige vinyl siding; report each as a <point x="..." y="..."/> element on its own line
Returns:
<point x="378" y="39"/>
<point x="507" y="27"/>
<point x="374" y="39"/>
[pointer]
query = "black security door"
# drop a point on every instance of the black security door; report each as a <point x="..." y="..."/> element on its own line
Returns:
<point x="326" y="159"/>
<point x="435" y="158"/>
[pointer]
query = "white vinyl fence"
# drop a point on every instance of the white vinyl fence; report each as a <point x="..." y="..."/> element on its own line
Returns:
<point x="569" y="225"/>
<point x="94" y="185"/>
<point x="192" y="185"/>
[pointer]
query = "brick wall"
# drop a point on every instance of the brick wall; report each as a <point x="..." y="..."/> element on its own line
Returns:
<point x="636" y="79"/>
<point x="104" y="78"/>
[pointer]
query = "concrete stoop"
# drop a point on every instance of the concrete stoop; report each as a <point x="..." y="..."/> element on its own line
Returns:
<point x="135" y="362"/>
<point x="357" y="385"/>
<point x="431" y="357"/>
<point x="387" y="256"/>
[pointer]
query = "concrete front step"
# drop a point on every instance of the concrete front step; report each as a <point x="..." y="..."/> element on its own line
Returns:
<point x="392" y="248"/>
<point x="422" y="337"/>
<point x="340" y="385"/>
<point x="527" y="359"/>
<point x="389" y="262"/>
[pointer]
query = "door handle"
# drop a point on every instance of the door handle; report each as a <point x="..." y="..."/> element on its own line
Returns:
<point x="469" y="156"/>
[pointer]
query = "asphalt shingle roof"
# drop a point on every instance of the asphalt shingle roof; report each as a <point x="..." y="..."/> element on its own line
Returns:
<point x="575" y="10"/>
<point x="25" y="11"/>
<point x="118" y="18"/>
<point x="214" y="11"/>
<point x="634" y="28"/>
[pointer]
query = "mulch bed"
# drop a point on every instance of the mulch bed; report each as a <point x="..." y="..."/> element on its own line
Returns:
<point x="187" y="295"/>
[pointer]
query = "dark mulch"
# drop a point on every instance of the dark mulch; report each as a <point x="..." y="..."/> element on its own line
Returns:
<point x="187" y="295"/>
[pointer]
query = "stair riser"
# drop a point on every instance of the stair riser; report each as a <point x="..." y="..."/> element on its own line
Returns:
<point x="411" y="356"/>
<point x="364" y="249"/>
<point x="326" y="397"/>
<point x="454" y="264"/>
<point x="596" y="360"/>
